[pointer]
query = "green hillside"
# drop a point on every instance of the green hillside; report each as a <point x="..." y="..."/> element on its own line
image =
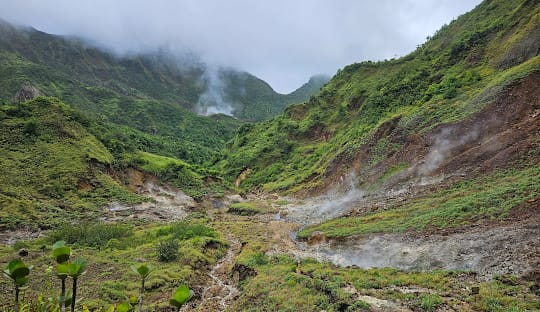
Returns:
<point x="52" y="167"/>
<point x="145" y="102"/>
<point x="371" y="111"/>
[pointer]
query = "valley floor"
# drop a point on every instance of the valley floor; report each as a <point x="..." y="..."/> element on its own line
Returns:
<point x="256" y="264"/>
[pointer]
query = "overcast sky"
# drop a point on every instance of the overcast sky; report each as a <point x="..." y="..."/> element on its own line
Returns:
<point x="281" y="41"/>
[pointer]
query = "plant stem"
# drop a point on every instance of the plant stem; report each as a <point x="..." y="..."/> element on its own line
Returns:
<point x="16" y="298"/>
<point x="74" y="294"/>
<point x="141" y="295"/>
<point x="63" y="296"/>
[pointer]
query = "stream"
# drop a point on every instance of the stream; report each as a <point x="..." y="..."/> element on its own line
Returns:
<point x="221" y="291"/>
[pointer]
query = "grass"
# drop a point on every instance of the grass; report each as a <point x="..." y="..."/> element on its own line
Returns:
<point x="52" y="166"/>
<point x="485" y="198"/>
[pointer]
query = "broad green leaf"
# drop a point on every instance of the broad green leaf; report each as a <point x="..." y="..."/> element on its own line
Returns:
<point x="62" y="254"/>
<point x="143" y="270"/>
<point x="21" y="281"/>
<point x="77" y="267"/>
<point x="123" y="307"/>
<point x="181" y="296"/>
<point x="62" y="270"/>
<point x="59" y="244"/>
<point x="17" y="269"/>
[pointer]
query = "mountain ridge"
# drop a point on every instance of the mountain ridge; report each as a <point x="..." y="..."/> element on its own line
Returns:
<point x="159" y="74"/>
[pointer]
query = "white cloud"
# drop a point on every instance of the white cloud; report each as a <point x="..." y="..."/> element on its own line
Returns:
<point x="283" y="41"/>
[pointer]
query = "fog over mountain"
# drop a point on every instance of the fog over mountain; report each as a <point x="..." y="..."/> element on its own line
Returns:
<point x="282" y="42"/>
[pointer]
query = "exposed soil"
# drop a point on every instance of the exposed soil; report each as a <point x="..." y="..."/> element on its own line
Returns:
<point x="167" y="204"/>
<point x="493" y="138"/>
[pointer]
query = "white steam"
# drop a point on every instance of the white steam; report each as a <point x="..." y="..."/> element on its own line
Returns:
<point x="212" y="101"/>
<point x="448" y="140"/>
<point x="329" y="206"/>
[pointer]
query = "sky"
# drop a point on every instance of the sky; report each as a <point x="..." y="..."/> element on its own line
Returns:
<point x="283" y="42"/>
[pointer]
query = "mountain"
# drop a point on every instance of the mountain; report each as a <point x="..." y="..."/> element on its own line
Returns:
<point x="138" y="110"/>
<point x="254" y="100"/>
<point x="77" y="72"/>
<point x="154" y="97"/>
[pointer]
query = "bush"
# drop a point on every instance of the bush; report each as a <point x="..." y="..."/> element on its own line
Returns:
<point x="90" y="234"/>
<point x="184" y="231"/>
<point x="167" y="251"/>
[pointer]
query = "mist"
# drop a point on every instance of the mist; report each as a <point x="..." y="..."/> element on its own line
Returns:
<point x="281" y="42"/>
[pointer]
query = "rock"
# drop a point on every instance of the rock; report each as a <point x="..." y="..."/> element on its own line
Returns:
<point x="235" y="198"/>
<point x="23" y="252"/>
<point x="243" y="271"/>
<point x="26" y="93"/>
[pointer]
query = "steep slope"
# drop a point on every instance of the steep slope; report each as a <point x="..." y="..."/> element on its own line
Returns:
<point x="375" y="120"/>
<point x="53" y="169"/>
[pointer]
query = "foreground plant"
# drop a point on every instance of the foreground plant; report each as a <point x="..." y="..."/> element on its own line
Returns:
<point x="143" y="270"/>
<point x="18" y="273"/>
<point x="181" y="296"/>
<point x="61" y="254"/>
<point x="76" y="269"/>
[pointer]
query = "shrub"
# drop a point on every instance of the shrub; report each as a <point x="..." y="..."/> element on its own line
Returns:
<point x="184" y="231"/>
<point x="90" y="234"/>
<point x="167" y="250"/>
<point x="244" y="209"/>
<point x="430" y="302"/>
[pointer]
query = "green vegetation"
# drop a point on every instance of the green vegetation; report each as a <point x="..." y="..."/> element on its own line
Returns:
<point x="283" y="284"/>
<point x="144" y="271"/>
<point x="486" y="198"/>
<point x="109" y="281"/>
<point x="111" y="123"/>
<point x="18" y="273"/>
<point x="53" y="168"/>
<point x="181" y="295"/>
<point x="167" y="250"/>
<point x="249" y="209"/>
<point x="96" y="235"/>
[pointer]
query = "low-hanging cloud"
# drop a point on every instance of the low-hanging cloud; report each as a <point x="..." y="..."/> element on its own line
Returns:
<point x="283" y="42"/>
